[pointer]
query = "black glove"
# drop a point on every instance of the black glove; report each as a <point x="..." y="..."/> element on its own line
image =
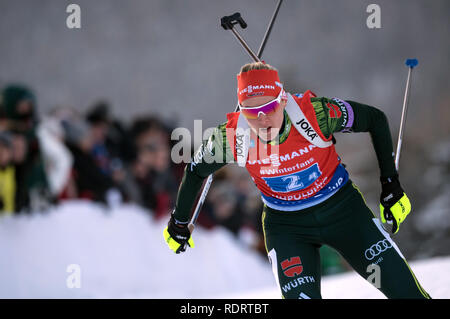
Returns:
<point x="394" y="204"/>
<point x="177" y="236"/>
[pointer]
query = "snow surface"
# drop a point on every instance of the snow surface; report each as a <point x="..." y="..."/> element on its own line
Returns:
<point x="432" y="275"/>
<point x="121" y="254"/>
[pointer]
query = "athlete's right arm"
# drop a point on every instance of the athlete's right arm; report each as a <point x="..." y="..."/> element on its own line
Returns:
<point x="212" y="155"/>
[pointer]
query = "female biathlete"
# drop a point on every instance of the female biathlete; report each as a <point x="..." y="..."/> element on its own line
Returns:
<point x="285" y="141"/>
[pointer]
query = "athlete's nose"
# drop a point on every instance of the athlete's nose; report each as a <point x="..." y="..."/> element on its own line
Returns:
<point x="263" y="118"/>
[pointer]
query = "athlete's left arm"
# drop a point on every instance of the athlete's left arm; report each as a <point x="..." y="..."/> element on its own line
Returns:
<point x="335" y="115"/>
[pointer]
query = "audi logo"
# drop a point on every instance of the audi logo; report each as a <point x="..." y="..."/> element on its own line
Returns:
<point x="377" y="249"/>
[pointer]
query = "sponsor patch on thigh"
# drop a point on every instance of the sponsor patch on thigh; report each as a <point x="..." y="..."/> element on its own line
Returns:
<point x="381" y="246"/>
<point x="293" y="269"/>
<point x="297" y="282"/>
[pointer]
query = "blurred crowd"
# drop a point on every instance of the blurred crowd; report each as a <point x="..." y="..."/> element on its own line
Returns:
<point x="69" y="155"/>
<point x="66" y="155"/>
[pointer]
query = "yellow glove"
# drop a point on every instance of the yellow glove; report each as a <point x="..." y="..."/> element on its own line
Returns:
<point x="394" y="204"/>
<point x="177" y="236"/>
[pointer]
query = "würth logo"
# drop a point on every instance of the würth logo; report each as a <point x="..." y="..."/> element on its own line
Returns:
<point x="334" y="111"/>
<point x="292" y="266"/>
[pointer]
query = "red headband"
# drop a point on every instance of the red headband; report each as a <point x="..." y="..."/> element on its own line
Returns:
<point x="258" y="83"/>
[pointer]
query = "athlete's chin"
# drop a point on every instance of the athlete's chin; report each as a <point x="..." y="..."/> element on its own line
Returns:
<point x="268" y="134"/>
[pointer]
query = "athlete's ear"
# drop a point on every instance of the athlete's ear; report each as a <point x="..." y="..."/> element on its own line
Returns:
<point x="284" y="99"/>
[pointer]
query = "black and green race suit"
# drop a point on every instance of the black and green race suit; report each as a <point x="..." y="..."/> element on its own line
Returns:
<point x="343" y="221"/>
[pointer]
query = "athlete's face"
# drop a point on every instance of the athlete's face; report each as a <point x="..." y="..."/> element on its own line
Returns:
<point x="266" y="127"/>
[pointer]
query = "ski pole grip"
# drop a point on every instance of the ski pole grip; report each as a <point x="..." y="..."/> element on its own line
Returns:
<point x="228" y="22"/>
<point x="412" y="63"/>
<point x="241" y="22"/>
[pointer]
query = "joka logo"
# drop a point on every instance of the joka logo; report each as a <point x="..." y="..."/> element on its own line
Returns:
<point x="292" y="266"/>
<point x="307" y="129"/>
<point x="334" y="111"/>
<point x="239" y="145"/>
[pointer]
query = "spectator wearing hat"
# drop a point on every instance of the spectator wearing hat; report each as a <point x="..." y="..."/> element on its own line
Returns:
<point x="20" y="112"/>
<point x="7" y="175"/>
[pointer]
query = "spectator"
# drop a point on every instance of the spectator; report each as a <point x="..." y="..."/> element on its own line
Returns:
<point x="225" y="209"/>
<point x="110" y="145"/>
<point x="90" y="182"/>
<point x="152" y="166"/>
<point x="19" y="107"/>
<point x="110" y="149"/>
<point x="98" y="120"/>
<point x="20" y="111"/>
<point x="7" y="175"/>
<point x="57" y="157"/>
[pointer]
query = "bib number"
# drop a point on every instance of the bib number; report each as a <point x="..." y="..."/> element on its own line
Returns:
<point x="295" y="181"/>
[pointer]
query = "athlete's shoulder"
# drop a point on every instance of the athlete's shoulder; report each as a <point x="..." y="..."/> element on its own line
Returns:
<point x="232" y="119"/>
<point x="311" y="104"/>
<point x="332" y="114"/>
<point x="220" y="130"/>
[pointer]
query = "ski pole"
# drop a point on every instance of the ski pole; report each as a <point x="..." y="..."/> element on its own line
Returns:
<point x="227" y="23"/>
<point x="200" y="202"/>
<point x="269" y="29"/>
<point x="411" y="63"/>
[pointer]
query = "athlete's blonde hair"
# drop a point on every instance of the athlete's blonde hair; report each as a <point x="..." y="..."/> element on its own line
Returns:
<point x="256" y="66"/>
